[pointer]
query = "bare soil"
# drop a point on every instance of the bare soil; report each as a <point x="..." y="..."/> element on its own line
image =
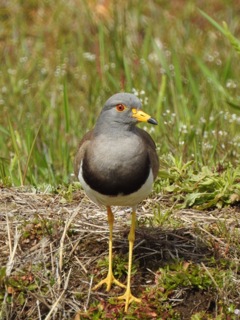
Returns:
<point x="50" y="248"/>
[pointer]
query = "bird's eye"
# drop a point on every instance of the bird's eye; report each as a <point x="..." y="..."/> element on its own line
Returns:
<point x="120" y="107"/>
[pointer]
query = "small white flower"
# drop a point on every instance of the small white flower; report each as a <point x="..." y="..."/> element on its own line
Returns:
<point x="237" y="312"/>
<point x="89" y="56"/>
<point x="168" y="53"/>
<point x="210" y="58"/>
<point x="23" y="59"/>
<point x="12" y="71"/>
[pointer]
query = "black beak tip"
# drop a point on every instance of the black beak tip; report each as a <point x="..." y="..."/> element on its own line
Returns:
<point x="152" y="121"/>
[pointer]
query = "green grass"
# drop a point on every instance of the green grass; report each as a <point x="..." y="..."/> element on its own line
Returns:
<point x="60" y="61"/>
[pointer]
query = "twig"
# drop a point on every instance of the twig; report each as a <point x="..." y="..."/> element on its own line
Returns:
<point x="212" y="236"/>
<point x="211" y="277"/>
<point x="38" y="309"/>
<point x="83" y="267"/>
<point x="10" y="262"/>
<point x="89" y="293"/>
<point x="75" y="212"/>
<point x="60" y="297"/>
<point x="9" y="236"/>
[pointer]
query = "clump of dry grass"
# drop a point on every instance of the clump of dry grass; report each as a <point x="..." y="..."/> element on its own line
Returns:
<point x="50" y="248"/>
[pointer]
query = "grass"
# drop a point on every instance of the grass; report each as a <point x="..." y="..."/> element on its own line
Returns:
<point x="60" y="62"/>
<point x="56" y="76"/>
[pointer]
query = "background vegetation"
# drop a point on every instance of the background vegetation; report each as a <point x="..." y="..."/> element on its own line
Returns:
<point x="60" y="61"/>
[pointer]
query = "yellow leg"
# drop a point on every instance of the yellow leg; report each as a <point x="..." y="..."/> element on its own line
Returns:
<point x="110" y="277"/>
<point x="127" y="296"/>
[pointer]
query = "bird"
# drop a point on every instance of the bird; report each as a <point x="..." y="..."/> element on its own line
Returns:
<point x="116" y="164"/>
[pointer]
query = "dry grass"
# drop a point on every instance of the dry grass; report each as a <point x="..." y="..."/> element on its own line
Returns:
<point x="50" y="248"/>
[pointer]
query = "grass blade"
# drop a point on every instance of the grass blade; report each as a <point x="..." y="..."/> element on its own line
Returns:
<point x="66" y="107"/>
<point x="17" y="152"/>
<point x="30" y="155"/>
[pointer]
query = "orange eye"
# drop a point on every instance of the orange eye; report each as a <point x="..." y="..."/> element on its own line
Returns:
<point x="120" y="107"/>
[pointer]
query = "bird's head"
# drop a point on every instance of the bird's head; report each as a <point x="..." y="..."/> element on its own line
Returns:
<point x="123" y="109"/>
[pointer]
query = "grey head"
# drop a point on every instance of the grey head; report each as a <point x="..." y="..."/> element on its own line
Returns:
<point x="121" y="111"/>
<point x="128" y="99"/>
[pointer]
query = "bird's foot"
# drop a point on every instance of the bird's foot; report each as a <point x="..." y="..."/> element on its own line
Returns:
<point x="109" y="280"/>
<point x="128" y="297"/>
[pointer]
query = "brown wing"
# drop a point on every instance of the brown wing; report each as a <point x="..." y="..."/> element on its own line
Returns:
<point x="151" y="146"/>
<point x="81" y="151"/>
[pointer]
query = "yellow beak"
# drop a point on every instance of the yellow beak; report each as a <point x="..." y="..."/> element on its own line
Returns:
<point x="142" y="116"/>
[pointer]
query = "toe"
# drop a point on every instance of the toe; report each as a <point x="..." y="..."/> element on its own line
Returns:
<point x="129" y="298"/>
<point x="109" y="280"/>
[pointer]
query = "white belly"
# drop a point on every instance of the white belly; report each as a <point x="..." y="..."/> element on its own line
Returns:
<point x="130" y="200"/>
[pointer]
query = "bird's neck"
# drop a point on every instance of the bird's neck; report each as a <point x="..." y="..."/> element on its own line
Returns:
<point x="114" y="129"/>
